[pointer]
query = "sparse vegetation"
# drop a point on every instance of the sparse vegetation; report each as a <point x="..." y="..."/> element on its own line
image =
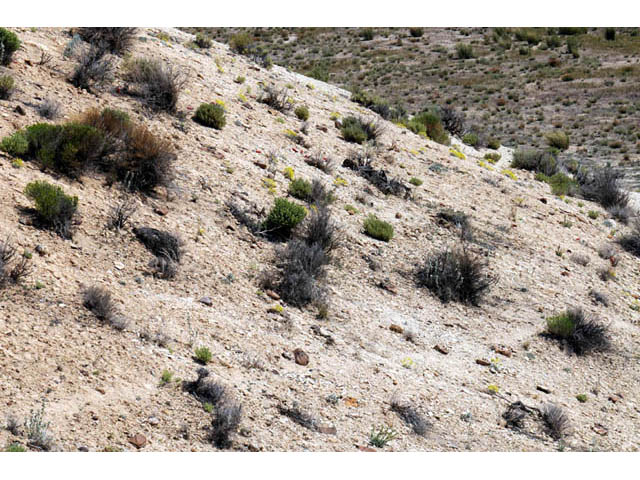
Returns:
<point x="359" y="130"/>
<point x="410" y="416"/>
<point x="381" y="436"/>
<point x="300" y="189"/>
<point x="582" y="334"/>
<point x="539" y="161"/>
<point x="9" y="44"/>
<point x="210" y="115"/>
<point x="378" y="229"/>
<point x="115" y="40"/>
<point x="54" y="209"/>
<point x="157" y="83"/>
<point x="302" y="112"/>
<point x="203" y="355"/>
<point x="11" y="268"/>
<point x="284" y="217"/>
<point x="7" y="85"/>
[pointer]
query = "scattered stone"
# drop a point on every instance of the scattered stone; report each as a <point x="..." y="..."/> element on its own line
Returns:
<point x="543" y="200"/>
<point x="41" y="250"/>
<point x="329" y="430"/>
<point x="20" y="110"/>
<point x="118" y="265"/>
<point x="600" y="429"/>
<point x="207" y="301"/>
<point x="506" y="351"/>
<point x="483" y="362"/>
<point x="366" y="449"/>
<point x="351" y="402"/>
<point x="260" y="164"/>
<point x="615" y="398"/>
<point x="138" y="441"/>
<point x="396" y="328"/>
<point x="83" y="448"/>
<point x="272" y="294"/>
<point x="153" y="421"/>
<point x="301" y="357"/>
<point x="442" y="349"/>
<point x="543" y="389"/>
<point x="161" y="210"/>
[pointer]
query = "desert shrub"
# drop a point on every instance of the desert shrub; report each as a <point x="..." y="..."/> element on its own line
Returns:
<point x="464" y="51"/>
<point x="9" y="43"/>
<point x="160" y="243"/>
<point x="302" y="112"/>
<point x="602" y="185"/>
<point x="610" y="34"/>
<point x="210" y="115"/>
<point x="492" y="157"/>
<point x="377" y="104"/>
<point x="120" y="213"/>
<point x="300" y="189"/>
<point x="493" y="143"/>
<point x="378" y="229"/>
<point x="411" y="416"/>
<point x="429" y="123"/>
<point x="580" y="259"/>
<point x="298" y="416"/>
<point x="452" y="120"/>
<point x="54" y="208"/>
<point x="559" y="140"/>
<point x="116" y="40"/>
<point x="203" y="355"/>
<point x="583" y="335"/>
<point x="225" y="423"/>
<point x="599" y="297"/>
<point x="631" y="241"/>
<point x="540" y="161"/>
<point x="573" y="47"/>
<point x="301" y="271"/>
<point x="571" y="30"/>
<point x="415" y="181"/>
<point x="319" y="72"/>
<point x="459" y="220"/>
<point x="11" y="269"/>
<point x="113" y="122"/>
<point x="202" y="40"/>
<point x="470" y="139"/>
<point x="359" y="130"/>
<point x="556" y="420"/>
<point x="98" y="301"/>
<point x="37" y="429"/>
<point x="317" y="160"/>
<point x="6" y="86"/>
<point x="455" y="275"/>
<point x="283" y="217"/>
<point x="240" y="42"/>
<point x="49" y="109"/>
<point x="381" y="436"/>
<point x="159" y="84"/>
<point x="367" y="33"/>
<point x="277" y="99"/>
<point x="416" y="32"/>
<point x="529" y="35"/>
<point x="16" y="144"/>
<point x="561" y="184"/>
<point x="94" y="69"/>
<point x="320" y="230"/>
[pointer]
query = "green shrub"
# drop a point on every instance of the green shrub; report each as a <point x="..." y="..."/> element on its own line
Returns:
<point x="367" y="33"/>
<point x="464" y="51"/>
<point x="210" y="115"/>
<point x="540" y="161"/>
<point x="573" y="46"/>
<point x="470" y="139"/>
<point x="203" y="355"/>
<point x="284" y="217"/>
<point x="202" y="40"/>
<point x="377" y="104"/>
<point x="300" y="188"/>
<point x="6" y="86"/>
<point x="559" y="140"/>
<point x="560" y="183"/>
<point x="493" y="143"/>
<point x="358" y="130"/>
<point x="415" y="181"/>
<point x="582" y="335"/>
<point x="15" y="447"/>
<point x="240" y="43"/>
<point x="610" y="34"/>
<point x="530" y="35"/>
<point x="319" y="72"/>
<point x="492" y="157"/>
<point x="378" y="229"/>
<point x="416" y="32"/>
<point x="302" y="112"/>
<point x="429" y="123"/>
<point x="54" y="208"/>
<point x="9" y="43"/>
<point x="571" y="30"/>
<point x="15" y="144"/>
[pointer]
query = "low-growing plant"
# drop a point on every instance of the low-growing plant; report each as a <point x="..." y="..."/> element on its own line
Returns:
<point x="284" y="217"/>
<point x="98" y="300"/>
<point x="429" y="123"/>
<point x="37" y="429"/>
<point x="210" y="115"/>
<point x="470" y="139"/>
<point x="415" y="181"/>
<point x="54" y="209"/>
<point x="159" y="84"/>
<point x="556" y="420"/>
<point x="7" y="85"/>
<point x="494" y="144"/>
<point x="540" y="161"/>
<point x="582" y="334"/>
<point x="492" y="157"/>
<point x="561" y="184"/>
<point x="411" y="416"/>
<point x="602" y="185"/>
<point x="166" y="377"/>
<point x="559" y="140"/>
<point x="15" y="447"/>
<point x="455" y="274"/>
<point x="9" y="44"/>
<point x="94" y="68"/>
<point x="161" y="243"/>
<point x="16" y="144"/>
<point x="631" y="241"/>
<point x="240" y="43"/>
<point x="120" y="213"/>
<point x="300" y="189"/>
<point x="464" y="51"/>
<point x="452" y="120"/>
<point x="277" y="99"/>
<point x="203" y="355"/>
<point x="12" y="269"/>
<point x="378" y="229"/>
<point x="116" y="40"/>
<point x="359" y="130"/>
<point x="50" y="109"/>
<point x="202" y="41"/>
<point x="381" y="436"/>
<point x="228" y="416"/>
<point x="302" y="112"/>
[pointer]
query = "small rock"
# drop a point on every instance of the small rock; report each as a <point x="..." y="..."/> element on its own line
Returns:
<point x="610" y="223"/>
<point x="327" y="429"/>
<point x="301" y="357"/>
<point x="118" y="265"/>
<point x="615" y="398"/>
<point x="600" y="429"/>
<point x="161" y="210"/>
<point x="207" y="301"/>
<point x="153" y="421"/>
<point x="543" y="389"/>
<point x="483" y="362"/>
<point x="366" y="449"/>
<point x="41" y="249"/>
<point x="398" y="215"/>
<point x="83" y="448"/>
<point x="543" y="200"/>
<point x="442" y="349"/>
<point x="506" y="351"/>
<point x="138" y="441"/>
<point x="19" y="110"/>
<point x="260" y="164"/>
<point x="396" y="328"/>
<point x="272" y="294"/>
<point x="322" y="128"/>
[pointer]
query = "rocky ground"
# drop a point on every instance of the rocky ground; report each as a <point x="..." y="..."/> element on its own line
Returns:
<point x="465" y="365"/>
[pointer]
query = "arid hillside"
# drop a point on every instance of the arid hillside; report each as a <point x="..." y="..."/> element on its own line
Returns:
<point x="230" y="326"/>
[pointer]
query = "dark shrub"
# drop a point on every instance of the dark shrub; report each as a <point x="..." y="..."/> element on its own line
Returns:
<point x="631" y="241"/>
<point x="94" y="69"/>
<point x="16" y="144"/>
<point x="202" y="41"/>
<point x="20" y="269"/>
<point x="367" y="33"/>
<point x="113" y="122"/>
<point x="120" y="213"/>
<point x="302" y="112"/>
<point x="573" y="47"/>
<point x="160" y="243"/>
<point x="411" y="417"/>
<point x="283" y="217"/>
<point x="301" y="268"/>
<point x="459" y="220"/>
<point x="320" y="230"/>
<point x="429" y="123"/>
<point x="602" y="185"/>
<point x="416" y="32"/>
<point x="493" y="143"/>
<point x="559" y="140"/>
<point x="452" y="120"/>
<point x="98" y="300"/>
<point x="582" y="334"/>
<point x="225" y="423"/>
<point x="540" y="161"/>
<point x="206" y="389"/>
<point x="6" y="86"/>
<point x="610" y="34"/>
<point x="9" y="43"/>
<point x="319" y="72"/>
<point x="277" y="99"/>
<point x="464" y="51"/>
<point x="298" y="416"/>
<point x="378" y="229"/>
<point x="300" y="189"/>
<point x="455" y="275"/>
<point x="240" y="43"/>
<point x="211" y="115"/>
<point x="378" y="105"/>
<point x="317" y="160"/>
<point x="358" y="130"/>
<point x="116" y="40"/>
<point x="54" y="209"/>
<point x="50" y="109"/>
<point x="158" y="83"/>
<point x="556" y="420"/>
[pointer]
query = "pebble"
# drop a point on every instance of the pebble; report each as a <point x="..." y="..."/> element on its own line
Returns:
<point x="301" y="357"/>
<point x="207" y="301"/>
<point x="153" y="421"/>
<point x="118" y="265"/>
<point x="442" y="349"/>
<point x="396" y="328"/>
<point x="138" y="440"/>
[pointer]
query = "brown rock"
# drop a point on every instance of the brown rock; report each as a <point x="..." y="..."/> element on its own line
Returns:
<point x="441" y="349"/>
<point x="329" y="430"/>
<point x="272" y="294"/>
<point x="260" y="164"/>
<point x="19" y="110"/>
<point x="483" y="362"/>
<point x="138" y="441"/>
<point x="506" y="351"/>
<point x="600" y="429"/>
<point x="301" y="358"/>
<point x="615" y="398"/>
<point x="161" y="210"/>
<point x="543" y="389"/>
<point x="366" y="449"/>
<point x="396" y="328"/>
